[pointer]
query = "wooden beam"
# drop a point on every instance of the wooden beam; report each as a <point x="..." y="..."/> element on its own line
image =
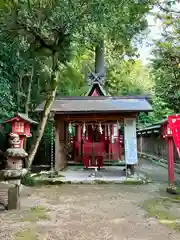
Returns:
<point x="94" y="117"/>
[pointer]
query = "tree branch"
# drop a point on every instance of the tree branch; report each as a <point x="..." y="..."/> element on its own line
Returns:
<point x="39" y="38"/>
<point x="167" y="10"/>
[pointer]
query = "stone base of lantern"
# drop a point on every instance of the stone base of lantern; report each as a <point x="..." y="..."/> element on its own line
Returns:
<point x="13" y="198"/>
<point x="13" y="176"/>
<point x="14" y="163"/>
<point x="15" y="182"/>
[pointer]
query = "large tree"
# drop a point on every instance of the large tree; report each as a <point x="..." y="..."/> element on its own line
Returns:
<point x="128" y="77"/>
<point x="166" y="57"/>
<point x="50" y="29"/>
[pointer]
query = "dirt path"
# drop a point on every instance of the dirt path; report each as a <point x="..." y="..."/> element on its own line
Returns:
<point x="87" y="212"/>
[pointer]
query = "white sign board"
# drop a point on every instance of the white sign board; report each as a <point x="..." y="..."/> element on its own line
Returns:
<point x="115" y="133"/>
<point x="130" y="141"/>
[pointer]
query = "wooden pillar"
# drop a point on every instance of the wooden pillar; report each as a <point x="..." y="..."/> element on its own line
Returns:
<point x="79" y="135"/>
<point x="66" y="133"/>
<point x="60" y="152"/>
<point x="130" y="143"/>
<point x="141" y="143"/>
<point x="79" y="139"/>
<point x="66" y="139"/>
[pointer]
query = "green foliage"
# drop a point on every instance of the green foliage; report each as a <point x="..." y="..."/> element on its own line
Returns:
<point x="15" y="71"/>
<point x="160" y="112"/>
<point x="47" y="29"/>
<point x="166" y="60"/>
<point x="128" y="78"/>
<point x="72" y="83"/>
<point x="164" y="67"/>
<point x="45" y="48"/>
<point x="27" y="180"/>
<point x="52" y="26"/>
<point x="6" y="74"/>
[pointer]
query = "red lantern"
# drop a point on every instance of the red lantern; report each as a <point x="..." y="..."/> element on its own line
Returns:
<point x="21" y="125"/>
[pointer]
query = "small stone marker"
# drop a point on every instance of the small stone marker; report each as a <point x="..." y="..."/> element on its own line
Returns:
<point x="13" y="197"/>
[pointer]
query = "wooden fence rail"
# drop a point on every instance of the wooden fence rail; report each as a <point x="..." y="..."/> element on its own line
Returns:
<point x="159" y="161"/>
<point x="153" y="147"/>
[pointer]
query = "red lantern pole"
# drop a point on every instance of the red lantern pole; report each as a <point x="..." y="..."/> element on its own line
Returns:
<point x="171" y="176"/>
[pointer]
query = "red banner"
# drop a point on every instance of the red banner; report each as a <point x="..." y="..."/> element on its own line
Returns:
<point x="174" y="125"/>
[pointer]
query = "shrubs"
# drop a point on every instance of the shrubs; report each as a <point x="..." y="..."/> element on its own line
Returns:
<point x="28" y="180"/>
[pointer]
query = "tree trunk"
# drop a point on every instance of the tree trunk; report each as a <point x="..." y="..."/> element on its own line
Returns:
<point x="42" y="125"/>
<point x="47" y="108"/>
<point x="99" y="59"/>
<point x="28" y="99"/>
<point x="29" y="91"/>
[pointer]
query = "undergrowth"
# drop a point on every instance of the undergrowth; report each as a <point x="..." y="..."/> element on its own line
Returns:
<point x="162" y="210"/>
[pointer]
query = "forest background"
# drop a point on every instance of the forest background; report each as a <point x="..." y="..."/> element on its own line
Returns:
<point x="47" y="50"/>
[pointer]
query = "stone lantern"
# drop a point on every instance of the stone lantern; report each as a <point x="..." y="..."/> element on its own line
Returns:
<point x="15" y="155"/>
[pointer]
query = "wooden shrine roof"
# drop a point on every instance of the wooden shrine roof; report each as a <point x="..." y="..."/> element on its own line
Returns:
<point x="99" y="104"/>
<point x="152" y="127"/>
<point x="23" y="116"/>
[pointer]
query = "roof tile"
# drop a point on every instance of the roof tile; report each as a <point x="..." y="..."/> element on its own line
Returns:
<point x="99" y="104"/>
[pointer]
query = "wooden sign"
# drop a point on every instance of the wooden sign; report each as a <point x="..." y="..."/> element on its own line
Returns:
<point x="174" y="124"/>
<point x="130" y="141"/>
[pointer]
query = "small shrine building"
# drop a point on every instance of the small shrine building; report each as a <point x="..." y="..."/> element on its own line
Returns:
<point x="95" y="122"/>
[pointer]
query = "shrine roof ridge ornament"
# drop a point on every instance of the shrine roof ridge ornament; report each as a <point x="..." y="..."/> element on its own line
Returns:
<point x="96" y="77"/>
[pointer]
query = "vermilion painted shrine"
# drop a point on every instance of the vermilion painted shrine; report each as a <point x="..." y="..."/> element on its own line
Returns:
<point x="96" y="127"/>
<point x="98" y="122"/>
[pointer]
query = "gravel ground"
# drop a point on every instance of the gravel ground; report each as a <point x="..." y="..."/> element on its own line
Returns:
<point x="86" y="212"/>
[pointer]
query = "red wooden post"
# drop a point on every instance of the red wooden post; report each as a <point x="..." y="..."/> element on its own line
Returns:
<point x="171" y="177"/>
<point x="79" y="133"/>
<point x="170" y="132"/>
